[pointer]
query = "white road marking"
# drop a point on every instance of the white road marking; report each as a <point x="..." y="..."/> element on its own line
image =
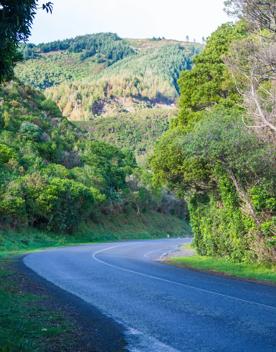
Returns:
<point x="154" y="251"/>
<point x="94" y="256"/>
<point x="139" y="342"/>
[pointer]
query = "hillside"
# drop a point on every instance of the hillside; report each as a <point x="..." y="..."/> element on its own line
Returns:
<point x="55" y="177"/>
<point x="137" y="131"/>
<point x="102" y="75"/>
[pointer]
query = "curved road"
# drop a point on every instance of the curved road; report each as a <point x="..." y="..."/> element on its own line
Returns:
<point x="163" y="308"/>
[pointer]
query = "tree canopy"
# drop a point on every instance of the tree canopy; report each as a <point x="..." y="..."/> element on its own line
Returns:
<point x="211" y="158"/>
<point x="16" y="18"/>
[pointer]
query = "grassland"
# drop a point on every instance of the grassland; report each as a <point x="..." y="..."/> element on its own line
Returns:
<point x="248" y="271"/>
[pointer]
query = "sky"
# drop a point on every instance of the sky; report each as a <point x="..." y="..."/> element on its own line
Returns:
<point x="172" y="19"/>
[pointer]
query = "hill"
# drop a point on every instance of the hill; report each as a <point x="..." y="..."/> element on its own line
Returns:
<point x="102" y="75"/>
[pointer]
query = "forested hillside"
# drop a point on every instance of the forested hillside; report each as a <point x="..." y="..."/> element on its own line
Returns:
<point x="54" y="177"/>
<point x="137" y="131"/>
<point x="219" y="154"/>
<point x="102" y="75"/>
<point x="104" y="66"/>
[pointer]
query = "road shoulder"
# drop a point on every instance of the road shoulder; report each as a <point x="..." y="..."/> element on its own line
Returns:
<point x="38" y="316"/>
<point x="186" y="257"/>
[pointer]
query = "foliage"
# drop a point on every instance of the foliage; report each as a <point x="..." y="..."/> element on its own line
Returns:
<point x="40" y="153"/>
<point x="260" y="14"/>
<point x="104" y="47"/>
<point x="210" y="82"/>
<point x="54" y="176"/>
<point x="209" y="157"/>
<point x="136" y="131"/>
<point x="16" y="20"/>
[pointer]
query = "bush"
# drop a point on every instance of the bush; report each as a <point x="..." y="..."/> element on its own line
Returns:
<point x="6" y="153"/>
<point x="63" y="204"/>
<point x="31" y="131"/>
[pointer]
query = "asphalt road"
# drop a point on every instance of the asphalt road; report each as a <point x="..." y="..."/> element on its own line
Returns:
<point x="163" y="308"/>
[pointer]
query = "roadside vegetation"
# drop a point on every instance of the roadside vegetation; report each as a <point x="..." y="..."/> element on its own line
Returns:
<point x="219" y="154"/>
<point x="104" y="228"/>
<point x="26" y="323"/>
<point x="186" y="257"/>
<point x="250" y="271"/>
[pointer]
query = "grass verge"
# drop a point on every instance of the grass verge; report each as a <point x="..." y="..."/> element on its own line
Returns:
<point x="30" y="317"/>
<point x="257" y="272"/>
<point x="104" y="228"/>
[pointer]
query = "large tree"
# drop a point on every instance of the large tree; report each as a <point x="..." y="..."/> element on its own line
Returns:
<point x="260" y="14"/>
<point x="252" y="63"/>
<point x="211" y="159"/>
<point x="16" y="18"/>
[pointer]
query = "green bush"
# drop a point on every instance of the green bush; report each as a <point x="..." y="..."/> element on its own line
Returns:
<point x="63" y="204"/>
<point x="30" y="131"/>
<point x="6" y="153"/>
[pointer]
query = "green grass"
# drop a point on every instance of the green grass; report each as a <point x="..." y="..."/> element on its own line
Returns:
<point x="259" y="272"/>
<point x="27" y="321"/>
<point x="112" y="227"/>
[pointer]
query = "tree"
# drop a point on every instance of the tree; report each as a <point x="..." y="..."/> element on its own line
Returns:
<point x="209" y="157"/>
<point x="209" y="82"/>
<point x="260" y="14"/>
<point x="16" y="18"/>
<point x="252" y="63"/>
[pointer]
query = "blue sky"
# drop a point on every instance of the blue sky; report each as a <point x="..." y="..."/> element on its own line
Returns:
<point x="172" y="19"/>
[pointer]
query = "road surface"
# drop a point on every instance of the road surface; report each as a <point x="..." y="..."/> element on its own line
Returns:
<point x="163" y="308"/>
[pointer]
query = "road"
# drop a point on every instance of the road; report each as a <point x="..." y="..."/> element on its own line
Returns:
<point x="163" y="308"/>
